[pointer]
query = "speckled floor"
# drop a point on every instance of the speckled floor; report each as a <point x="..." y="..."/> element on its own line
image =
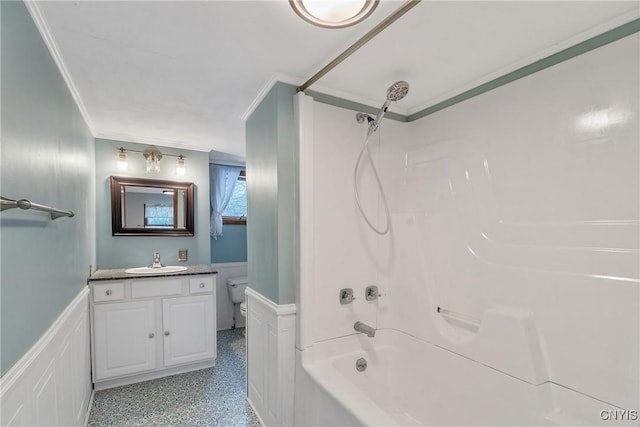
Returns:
<point x="209" y="397"/>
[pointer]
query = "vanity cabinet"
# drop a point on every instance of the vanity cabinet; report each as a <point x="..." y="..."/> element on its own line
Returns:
<point x="152" y="327"/>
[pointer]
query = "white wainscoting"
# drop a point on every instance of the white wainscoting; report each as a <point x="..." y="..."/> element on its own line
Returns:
<point x="270" y="359"/>
<point x="225" y="309"/>
<point x="51" y="384"/>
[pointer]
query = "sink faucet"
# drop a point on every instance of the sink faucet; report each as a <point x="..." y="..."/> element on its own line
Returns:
<point x="156" y="260"/>
<point x="365" y="329"/>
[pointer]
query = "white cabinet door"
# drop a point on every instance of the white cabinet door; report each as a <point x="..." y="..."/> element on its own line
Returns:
<point x="189" y="329"/>
<point x="125" y="338"/>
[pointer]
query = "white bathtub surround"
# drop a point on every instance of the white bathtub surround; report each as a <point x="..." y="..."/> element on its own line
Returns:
<point x="51" y="383"/>
<point x="270" y="359"/>
<point x="303" y="118"/>
<point x="226" y="311"/>
<point x="517" y="209"/>
<point x="337" y="250"/>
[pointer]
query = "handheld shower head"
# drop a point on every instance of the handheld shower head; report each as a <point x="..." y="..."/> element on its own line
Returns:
<point x="397" y="91"/>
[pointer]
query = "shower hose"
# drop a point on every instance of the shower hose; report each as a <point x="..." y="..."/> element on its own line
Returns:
<point x="365" y="149"/>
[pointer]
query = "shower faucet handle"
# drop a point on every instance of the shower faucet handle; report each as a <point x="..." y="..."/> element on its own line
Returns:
<point x="346" y="296"/>
<point x="371" y="293"/>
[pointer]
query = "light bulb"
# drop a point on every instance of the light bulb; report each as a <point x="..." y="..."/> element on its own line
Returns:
<point x="153" y="157"/>
<point x="181" y="169"/>
<point x="121" y="160"/>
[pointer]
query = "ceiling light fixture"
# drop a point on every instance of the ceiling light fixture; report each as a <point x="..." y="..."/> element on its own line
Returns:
<point x="333" y="13"/>
<point x="152" y="158"/>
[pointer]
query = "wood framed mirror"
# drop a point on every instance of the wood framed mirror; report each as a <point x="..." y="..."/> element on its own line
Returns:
<point x="151" y="207"/>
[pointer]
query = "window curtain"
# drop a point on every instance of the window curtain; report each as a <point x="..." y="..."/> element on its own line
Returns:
<point x="222" y="179"/>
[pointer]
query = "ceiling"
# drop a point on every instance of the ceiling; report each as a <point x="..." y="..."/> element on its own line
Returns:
<point x="185" y="74"/>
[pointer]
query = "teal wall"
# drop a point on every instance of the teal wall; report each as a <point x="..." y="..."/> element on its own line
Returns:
<point x="47" y="157"/>
<point x="231" y="246"/>
<point x="272" y="228"/>
<point x="136" y="251"/>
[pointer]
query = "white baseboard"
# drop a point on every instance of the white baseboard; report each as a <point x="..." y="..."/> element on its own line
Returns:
<point x="217" y="265"/>
<point x="255" y="412"/>
<point x="51" y="383"/>
<point x="270" y="359"/>
<point x="89" y="407"/>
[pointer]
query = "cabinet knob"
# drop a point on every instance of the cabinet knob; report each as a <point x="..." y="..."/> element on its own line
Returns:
<point x="151" y="335"/>
<point x="166" y="333"/>
<point x="201" y="285"/>
<point x="108" y="292"/>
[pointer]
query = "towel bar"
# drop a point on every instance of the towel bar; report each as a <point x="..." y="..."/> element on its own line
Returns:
<point x="26" y="204"/>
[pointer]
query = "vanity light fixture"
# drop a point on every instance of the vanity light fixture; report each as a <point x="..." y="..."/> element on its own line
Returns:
<point x="181" y="168"/>
<point x="152" y="158"/>
<point x="121" y="159"/>
<point x="333" y="13"/>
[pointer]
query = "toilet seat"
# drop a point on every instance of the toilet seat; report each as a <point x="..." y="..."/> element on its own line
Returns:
<point x="243" y="308"/>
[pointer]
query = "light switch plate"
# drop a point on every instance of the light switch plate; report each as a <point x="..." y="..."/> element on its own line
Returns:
<point x="182" y="254"/>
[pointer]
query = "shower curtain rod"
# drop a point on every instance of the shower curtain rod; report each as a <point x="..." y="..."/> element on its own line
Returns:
<point x="361" y="42"/>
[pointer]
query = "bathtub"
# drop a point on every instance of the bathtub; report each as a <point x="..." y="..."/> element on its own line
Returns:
<point x="409" y="382"/>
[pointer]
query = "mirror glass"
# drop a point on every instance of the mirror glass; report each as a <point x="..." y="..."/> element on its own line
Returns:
<point x="151" y="207"/>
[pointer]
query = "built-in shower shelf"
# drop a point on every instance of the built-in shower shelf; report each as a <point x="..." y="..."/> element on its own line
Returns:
<point x="505" y="338"/>
<point x="461" y="320"/>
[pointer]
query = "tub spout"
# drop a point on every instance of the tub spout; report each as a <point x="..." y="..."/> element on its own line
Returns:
<point x="365" y="329"/>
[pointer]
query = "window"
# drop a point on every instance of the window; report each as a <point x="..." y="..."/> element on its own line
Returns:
<point x="236" y="210"/>
<point x="158" y="216"/>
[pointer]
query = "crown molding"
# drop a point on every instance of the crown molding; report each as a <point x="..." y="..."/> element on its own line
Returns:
<point x="137" y="139"/>
<point x="220" y="157"/>
<point x="262" y="93"/>
<point x="339" y="98"/>
<point x="41" y="24"/>
<point x="373" y="103"/>
<point x="531" y="59"/>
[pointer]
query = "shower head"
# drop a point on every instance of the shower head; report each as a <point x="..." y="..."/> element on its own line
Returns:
<point x="397" y="91"/>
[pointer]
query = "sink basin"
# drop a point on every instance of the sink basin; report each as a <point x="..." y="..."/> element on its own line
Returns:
<point x="158" y="270"/>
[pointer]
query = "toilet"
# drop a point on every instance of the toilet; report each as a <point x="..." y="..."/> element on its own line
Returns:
<point x="236" y="287"/>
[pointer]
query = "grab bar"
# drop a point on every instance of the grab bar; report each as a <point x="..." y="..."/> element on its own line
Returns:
<point x="459" y="316"/>
<point x="26" y="204"/>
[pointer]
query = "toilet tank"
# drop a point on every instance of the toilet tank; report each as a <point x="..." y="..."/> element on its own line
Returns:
<point x="236" y="287"/>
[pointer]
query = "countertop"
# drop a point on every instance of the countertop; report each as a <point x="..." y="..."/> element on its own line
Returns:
<point x="118" y="273"/>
